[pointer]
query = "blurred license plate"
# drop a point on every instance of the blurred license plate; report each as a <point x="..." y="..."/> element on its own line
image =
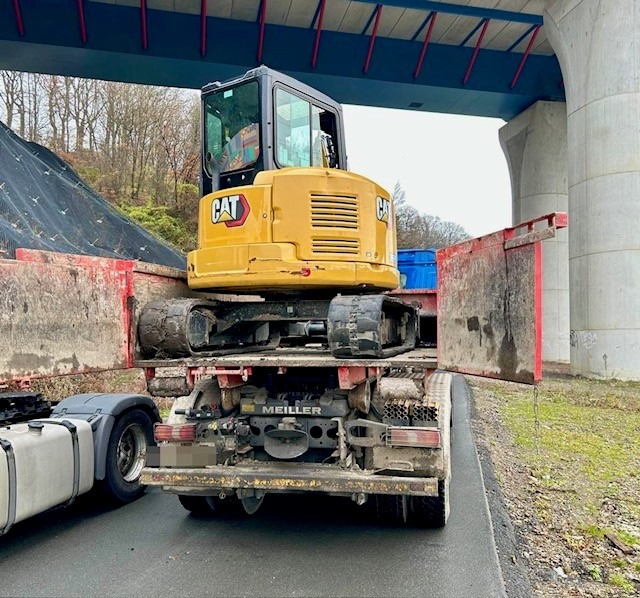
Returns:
<point x="170" y="455"/>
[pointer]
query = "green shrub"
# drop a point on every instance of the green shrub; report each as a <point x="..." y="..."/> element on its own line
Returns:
<point x="159" y="221"/>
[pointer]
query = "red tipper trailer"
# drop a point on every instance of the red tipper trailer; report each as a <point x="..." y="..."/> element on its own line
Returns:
<point x="291" y="419"/>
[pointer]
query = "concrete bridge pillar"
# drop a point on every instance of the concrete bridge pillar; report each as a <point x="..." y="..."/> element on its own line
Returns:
<point x="598" y="45"/>
<point x="535" y="145"/>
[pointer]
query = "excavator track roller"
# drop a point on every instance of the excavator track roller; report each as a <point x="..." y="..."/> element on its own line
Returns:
<point x="175" y="327"/>
<point x="375" y="326"/>
<point x="356" y="326"/>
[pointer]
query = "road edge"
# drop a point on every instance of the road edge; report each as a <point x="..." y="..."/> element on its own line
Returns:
<point x="461" y="386"/>
<point x="507" y="540"/>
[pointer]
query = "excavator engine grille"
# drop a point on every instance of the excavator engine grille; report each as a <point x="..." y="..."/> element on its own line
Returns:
<point x="334" y="211"/>
<point x="331" y="245"/>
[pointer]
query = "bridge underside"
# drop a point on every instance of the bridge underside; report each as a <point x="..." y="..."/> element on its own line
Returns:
<point x="178" y="54"/>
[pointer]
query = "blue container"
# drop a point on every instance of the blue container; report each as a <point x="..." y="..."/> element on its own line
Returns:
<point x="418" y="268"/>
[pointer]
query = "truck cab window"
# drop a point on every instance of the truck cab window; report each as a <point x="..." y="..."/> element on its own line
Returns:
<point x="316" y="138"/>
<point x="232" y="127"/>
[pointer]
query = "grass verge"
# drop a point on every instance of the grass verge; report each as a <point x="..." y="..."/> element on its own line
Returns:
<point x="575" y="456"/>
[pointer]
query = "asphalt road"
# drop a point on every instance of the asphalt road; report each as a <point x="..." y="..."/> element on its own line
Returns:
<point x="293" y="546"/>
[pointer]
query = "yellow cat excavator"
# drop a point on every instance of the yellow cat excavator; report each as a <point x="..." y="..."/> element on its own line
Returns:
<point x="282" y="218"/>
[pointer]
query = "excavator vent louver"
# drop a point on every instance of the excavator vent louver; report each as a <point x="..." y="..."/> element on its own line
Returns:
<point x="327" y="245"/>
<point x="334" y="211"/>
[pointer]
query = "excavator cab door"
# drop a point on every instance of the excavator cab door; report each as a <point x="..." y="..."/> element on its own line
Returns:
<point x="265" y="120"/>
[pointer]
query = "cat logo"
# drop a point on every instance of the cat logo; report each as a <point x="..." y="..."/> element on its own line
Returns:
<point x="232" y="210"/>
<point x="383" y="209"/>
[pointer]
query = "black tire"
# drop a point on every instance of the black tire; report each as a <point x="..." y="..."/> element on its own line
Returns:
<point x="430" y="511"/>
<point x="414" y="511"/>
<point x="126" y="455"/>
<point x="391" y="509"/>
<point x="197" y="505"/>
<point x="433" y="511"/>
<point x="209" y="505"/>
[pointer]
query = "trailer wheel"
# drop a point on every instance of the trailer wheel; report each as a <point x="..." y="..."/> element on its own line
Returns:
<point x="207" y="505"/>
<point x="392" y="509"/>
<point x="433" y="511"/>
<point x="430" y="511"/>
<point x="197" y="505"/>
<point x="126" y="456"/>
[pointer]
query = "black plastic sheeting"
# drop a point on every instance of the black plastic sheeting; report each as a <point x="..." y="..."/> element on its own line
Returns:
<point x="45" y="205"/>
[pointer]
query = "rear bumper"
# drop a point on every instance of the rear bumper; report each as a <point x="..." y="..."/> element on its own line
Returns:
<point x="275" y="266"/>
<point x="285" y="477"/>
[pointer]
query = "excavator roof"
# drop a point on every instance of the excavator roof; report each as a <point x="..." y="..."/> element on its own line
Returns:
<point x="264" y="71"/>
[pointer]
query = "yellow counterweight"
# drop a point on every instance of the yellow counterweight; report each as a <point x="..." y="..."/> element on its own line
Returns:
<point x="296" y="229"/>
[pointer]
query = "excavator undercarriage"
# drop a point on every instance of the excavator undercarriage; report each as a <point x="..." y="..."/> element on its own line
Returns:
<point x="355" y="326"/>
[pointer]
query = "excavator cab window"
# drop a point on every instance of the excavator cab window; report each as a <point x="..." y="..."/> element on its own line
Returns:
<point x="303" y="132"/>
<point x="265" y="120"/>
<point x="232" y="129"/>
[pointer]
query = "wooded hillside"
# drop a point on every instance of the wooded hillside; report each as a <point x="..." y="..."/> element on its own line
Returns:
<point x="136" y="145"/>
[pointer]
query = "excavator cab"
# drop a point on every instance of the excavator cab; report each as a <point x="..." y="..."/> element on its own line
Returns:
<point x="265" y="120"/>
<point x="280" y="212"/>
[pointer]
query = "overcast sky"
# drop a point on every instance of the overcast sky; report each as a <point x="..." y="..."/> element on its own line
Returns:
<point x="449" y="166"/>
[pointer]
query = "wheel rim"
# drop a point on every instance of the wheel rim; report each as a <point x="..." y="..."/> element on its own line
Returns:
<point x="132" y="452"/>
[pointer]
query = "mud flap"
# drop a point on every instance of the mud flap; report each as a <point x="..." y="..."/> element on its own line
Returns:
<point x="490" y="302"/>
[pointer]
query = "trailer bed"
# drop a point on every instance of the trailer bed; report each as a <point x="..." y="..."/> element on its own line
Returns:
<point x="293" y="357"/>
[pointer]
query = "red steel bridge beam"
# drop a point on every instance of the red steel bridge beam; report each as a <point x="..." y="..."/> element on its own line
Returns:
<point x="19" y="23"/>
<point x="83" y="27"/>
<point x="263" y="15"/>
<point x="475" y="52"/>
<point x="143" y="23"/>
<point x="525" y="56"/>
<point x="372" y="41"/>
<point x="203" y="27"/>
<point x="425" y="44"/>
<point x="316" y="43"/>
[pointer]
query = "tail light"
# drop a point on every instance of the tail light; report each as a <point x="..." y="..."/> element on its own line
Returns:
<point x="414" y="437"/>
<point x="174" y="433"/>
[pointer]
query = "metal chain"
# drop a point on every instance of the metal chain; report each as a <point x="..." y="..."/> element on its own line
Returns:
<point x="536" y="416"/>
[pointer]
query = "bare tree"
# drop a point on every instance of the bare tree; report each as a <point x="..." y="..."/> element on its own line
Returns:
<point x="11" y="89"/>
<point x="84" y="109"/>
<point x="132" y="143"/>
<point x="177" y="139"/>
<point x="22" y="103"/>
<point x="34" y="107"/>
<point x="59" y="95"/>
<point x="420" y="231"/>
